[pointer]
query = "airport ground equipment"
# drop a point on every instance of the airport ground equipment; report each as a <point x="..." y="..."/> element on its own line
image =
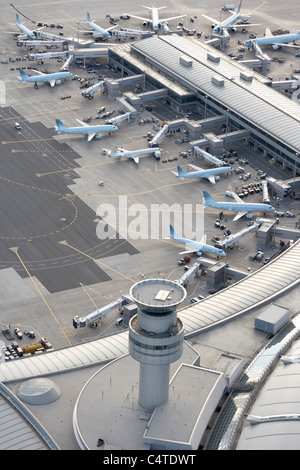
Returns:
<point x="92" y="319"/>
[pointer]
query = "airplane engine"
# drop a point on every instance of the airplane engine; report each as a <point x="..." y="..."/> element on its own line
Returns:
<point x="157" y="154"/>
<point x="249" y="216"/>
<point x="217" y="178"/>
<point x="274" y="47"/>
<point x="58" y="82"/>
<point x="98" y="136"/>
<point x="144" y="23"/>
<point x="234" y="29"/>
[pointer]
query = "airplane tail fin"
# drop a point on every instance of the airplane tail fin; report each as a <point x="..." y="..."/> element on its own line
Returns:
<point x="207" y="199"/>
<point x="17" y="19"/>
<point x="23" y="75"/>
<point x="88" y="17"/>
<point x="60" y="127"/>
<point x="173" y="234"/>
<point x="181" y="172"/>
<point x="239" y="7"/>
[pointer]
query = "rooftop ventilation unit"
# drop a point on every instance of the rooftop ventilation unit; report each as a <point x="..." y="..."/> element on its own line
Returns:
<point x="186" y="61"/>
<point x="218" y="81"/>
<point x="246" y="76"/>
<point x="213" y="57"/>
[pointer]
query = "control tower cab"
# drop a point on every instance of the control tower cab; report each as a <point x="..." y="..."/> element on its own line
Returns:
<point x="155" y="337"/>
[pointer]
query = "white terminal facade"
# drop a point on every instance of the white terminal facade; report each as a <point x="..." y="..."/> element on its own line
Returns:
<point x="193" y="75"/>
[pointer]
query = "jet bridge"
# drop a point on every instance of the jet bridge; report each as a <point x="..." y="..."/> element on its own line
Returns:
<point x="93" y="318"/>
<point x="160" y="134"/>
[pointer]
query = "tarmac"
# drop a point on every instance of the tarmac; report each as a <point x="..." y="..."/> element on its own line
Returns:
<point x="52" y="263"/>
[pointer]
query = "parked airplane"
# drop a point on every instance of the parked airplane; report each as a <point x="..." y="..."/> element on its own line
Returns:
<point x="239" y="206"/>
<point x="26" y="31"/>
<point x="134" y="154"/>
<point x="99" y="32"/>
<point x="155" y="21"/>
<point x="52" y="78"/>
<point x="90" y="131"/>
<point x="23" y="28"/>
<point x="211" y="174"/>
<point x="276" y="42"/>
<point x="220" y="26"/>
<point x="196" y="247"/>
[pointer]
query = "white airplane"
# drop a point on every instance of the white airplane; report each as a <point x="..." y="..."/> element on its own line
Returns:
<point x="90" y="131"/>
<point x="99" y="32"/>
<point x="155" y="21"/>
<point x="276" y="42"/>
<point x="52" y="78"/>
<point x="239" y="206"/>
<point x="134" y="154"/>
<point x="196" y="247"/>
<point x="220" y="26"/>
<point x="23" y="28"/>
<point x="26" y="31"/>
<point x="211" y="174"/>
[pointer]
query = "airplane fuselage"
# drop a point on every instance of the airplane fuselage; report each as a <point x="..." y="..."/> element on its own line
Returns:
<point x="266" y="41"/>
<point x="240" y="207"/>
<point x="47" y="77"/>
<point x="207" y="173"/>
<point x="88" y="129"/>
<point x="199" y="247"/>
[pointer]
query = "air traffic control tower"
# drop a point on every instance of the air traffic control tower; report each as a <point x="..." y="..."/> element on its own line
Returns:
<point x="155" y="337"/>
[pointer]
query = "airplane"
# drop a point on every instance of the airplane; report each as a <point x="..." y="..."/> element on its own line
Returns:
<point x="26" y="31"/>
<point x="196" y="247"/>
<point x="23" y="28"/>
<point x="52" y="78"/>
<point x="155" y="21"/>
<point x="239" y="206"/>
<point x="90" y="131"/>
<point x="274" y="41"/>
<point x="211" y="174"/>
<point x="99" y="32"/>
<point x="134" y="154"/>
<point x="220" y="26"/>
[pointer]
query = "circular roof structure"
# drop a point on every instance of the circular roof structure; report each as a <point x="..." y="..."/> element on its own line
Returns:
<point x="38" y="391"/>
<point x="157" y="295"/>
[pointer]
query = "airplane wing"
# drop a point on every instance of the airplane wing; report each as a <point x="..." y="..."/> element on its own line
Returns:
<point x="38" y="72"/>
<point x="203" y="238"/>
<point x="52" y="82"/>
<point x="284" y="45"/>
<point x="91" y="136"/>
<point x="143" y="19"/>
<point x="112" y="27"/>
<point x="136" y="159"/>
<point x="172" y="18"/>
<point x="197" y="168"/>
<point x="210" y="19"/>
<point x="239" y="215"/>
<point x="236" y="197"/>
<point x="83" y="124"/>
<point x="268" y="32"/>
<point x="211" y="179"/>
<point x="242" y="25"/>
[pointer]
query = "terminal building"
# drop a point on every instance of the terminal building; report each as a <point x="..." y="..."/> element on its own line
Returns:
<point x="192" y="75"/>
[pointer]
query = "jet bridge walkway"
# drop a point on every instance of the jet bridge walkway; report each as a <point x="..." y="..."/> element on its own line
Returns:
<point x="259" y="287"/>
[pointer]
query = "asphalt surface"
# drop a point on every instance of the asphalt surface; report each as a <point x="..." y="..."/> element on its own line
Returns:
<point x="38" y="213"/>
